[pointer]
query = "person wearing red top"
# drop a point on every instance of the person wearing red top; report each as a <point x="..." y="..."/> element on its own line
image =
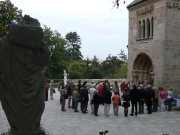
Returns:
<point x="100" y="93"/>
<point x="163" y="96"/>
<point x="123" y="86"/>
<point x="46" y="88"/>
<point x="116" y="101"/>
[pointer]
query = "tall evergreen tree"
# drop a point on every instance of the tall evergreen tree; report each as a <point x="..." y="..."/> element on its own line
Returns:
<point x="73" y="45"/>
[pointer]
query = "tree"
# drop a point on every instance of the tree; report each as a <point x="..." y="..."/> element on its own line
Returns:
<point x="94" y="73"/>
<point x="73" y="45"/>
<point x="121" y="72"/>
<point x="95" y="62"/>
<point x="109" y="66"/>
<point x="56" y="45"/>
<point x="8" y="14"/>
<point x="77" y="69"/>
<point x="116" y="3"/>
<point x="122" y="56"/>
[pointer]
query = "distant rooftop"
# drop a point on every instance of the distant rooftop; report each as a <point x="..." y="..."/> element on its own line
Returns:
<point x="135" y="2"/>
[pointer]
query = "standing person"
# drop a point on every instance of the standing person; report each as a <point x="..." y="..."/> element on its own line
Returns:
<point x="163" y="97"/>
<point x="61" y="83"/>
<point x="75" y="97"/>
<point x="91" y="92"/>
<point x="134" y="95"/>
<point x="107" y="83"/>
<point x="46" y="88"/>
<point x="126" y="100"/>
<point x="149" y="98"/>
<point x="69" y="92"/>
<point x="64" y="96"/>
<point x="107" y="101"/>
<point x="79" y="91"/>
<point x="169" y="98"/>
<point x="155" y="100"/>
<point x="84" y="97"/>
<point x="96" y="101"/>
<point x="115" y="88"/>
<point x="100" y="92"/>
<point x="72" y="89"/>
<point x="142" y="98"/>
<point x="51" y="89"/>
<point x="79" y="85"/>
<point x="123" y="86"/>
<point x="116" y="101"/>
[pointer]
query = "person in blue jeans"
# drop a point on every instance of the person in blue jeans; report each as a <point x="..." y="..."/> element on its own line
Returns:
<point x="169" y="99"/>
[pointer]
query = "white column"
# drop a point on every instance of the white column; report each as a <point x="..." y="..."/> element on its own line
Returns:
<point x="65" y="77"/>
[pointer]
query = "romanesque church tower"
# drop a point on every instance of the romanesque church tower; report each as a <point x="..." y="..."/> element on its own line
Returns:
<point x="154" y="42"/>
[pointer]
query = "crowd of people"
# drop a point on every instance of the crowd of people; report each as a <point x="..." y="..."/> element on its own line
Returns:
<point x="138" y="96"/>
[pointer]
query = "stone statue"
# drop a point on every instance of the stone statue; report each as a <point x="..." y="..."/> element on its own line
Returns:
<point x="23" y="56"/>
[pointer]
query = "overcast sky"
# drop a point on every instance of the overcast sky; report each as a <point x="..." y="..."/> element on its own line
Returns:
<point x="103" y="29"/>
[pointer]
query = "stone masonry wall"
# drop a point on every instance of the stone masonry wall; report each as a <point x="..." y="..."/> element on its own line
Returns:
<point x="172" y="47"/>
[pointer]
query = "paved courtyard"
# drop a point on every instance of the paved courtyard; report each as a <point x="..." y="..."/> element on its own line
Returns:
<point x="70" y="123"/>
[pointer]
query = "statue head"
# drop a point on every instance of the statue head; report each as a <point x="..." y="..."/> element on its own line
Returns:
<point x="27" y="33"/>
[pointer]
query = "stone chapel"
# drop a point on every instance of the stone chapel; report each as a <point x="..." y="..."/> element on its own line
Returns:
<point x="154" y="43"/>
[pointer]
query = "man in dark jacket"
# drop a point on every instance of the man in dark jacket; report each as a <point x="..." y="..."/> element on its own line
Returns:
<point x="96" y="101"/>
<point x="84" y="97"/>
<point x="107" y="101"/>
<point x="149" y="98"/>
<point x="134" y="95"/>
<point x="142" y="97"/>
<point x="69" y="92"/>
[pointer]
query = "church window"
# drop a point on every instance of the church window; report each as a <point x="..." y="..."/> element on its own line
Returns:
<point x="152" y="27"/>
<point x="139" y="30"/>
<point x="144" y="29"/>
<point x="148" y="28"/>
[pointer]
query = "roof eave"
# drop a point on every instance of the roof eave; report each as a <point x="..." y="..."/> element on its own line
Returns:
<point x="132" y="5"/>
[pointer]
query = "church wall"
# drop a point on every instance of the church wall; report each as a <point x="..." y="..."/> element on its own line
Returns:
<point x="172" y="47"/>
<point x="152" y="47"/>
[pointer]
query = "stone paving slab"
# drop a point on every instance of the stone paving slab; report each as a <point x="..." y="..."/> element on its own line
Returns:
<point x="71" y="123"/>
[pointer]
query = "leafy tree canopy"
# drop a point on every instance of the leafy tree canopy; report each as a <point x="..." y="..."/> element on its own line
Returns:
<point x="8" y="14"/>
<point x="56" y="45"/>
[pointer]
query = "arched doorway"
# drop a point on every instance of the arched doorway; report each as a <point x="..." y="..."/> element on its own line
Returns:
<point x="143" y="69"/>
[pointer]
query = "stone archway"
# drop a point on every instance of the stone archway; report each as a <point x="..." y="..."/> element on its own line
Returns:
<point x="143" y="69"/>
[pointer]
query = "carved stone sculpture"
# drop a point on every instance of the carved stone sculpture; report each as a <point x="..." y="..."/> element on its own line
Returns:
<point x="22" y="59"/>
